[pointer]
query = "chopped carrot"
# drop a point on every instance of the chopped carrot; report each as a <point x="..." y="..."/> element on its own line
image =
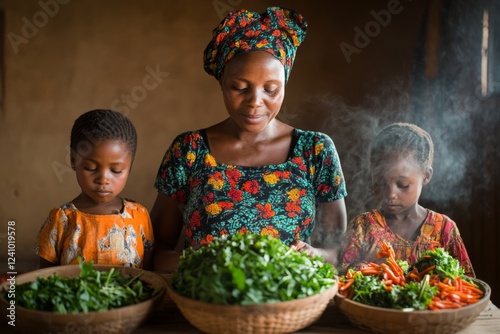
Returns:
<point x="346" y="285"/>
<point x="451" y="294"/>
<point x="370" y="271"/>
<point x="426" y="271"/>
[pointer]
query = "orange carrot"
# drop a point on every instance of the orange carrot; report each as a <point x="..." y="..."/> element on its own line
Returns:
<point x="390" y="274"/>
<point x="346" y="285"/>
<point x="370" y="271"/>
<point x="426" y="271"/>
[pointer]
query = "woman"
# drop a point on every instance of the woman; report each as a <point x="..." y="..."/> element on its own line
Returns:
<point x="250" y="172"/>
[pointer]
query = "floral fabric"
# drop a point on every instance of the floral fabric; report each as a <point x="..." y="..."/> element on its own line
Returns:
<point x="277" y="31"/>
<point x="117" y="239"/>
<point x="366" y="232"/>
<point x="224" y="199"/>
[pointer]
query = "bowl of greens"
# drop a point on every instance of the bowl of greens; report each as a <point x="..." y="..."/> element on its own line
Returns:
<point x="431" y="296"/>
<point x="83" y="298"/>
<point x="247" y="283"/>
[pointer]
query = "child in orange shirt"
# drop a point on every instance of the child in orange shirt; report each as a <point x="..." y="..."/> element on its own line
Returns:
<point x="98" y="225"/>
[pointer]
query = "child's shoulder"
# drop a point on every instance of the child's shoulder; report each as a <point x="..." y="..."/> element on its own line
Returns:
<point x="64" y="212"/>
<point x="131" y="204"/>
<point x="439" y="218"/>
<point x="372" y="214"/>
<point x="369" y="217"/>
<point x="66" y="208"/>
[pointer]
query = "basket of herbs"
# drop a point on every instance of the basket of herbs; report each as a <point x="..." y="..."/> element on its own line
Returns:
<point x="248" y="283"/>
<point x="83" y="297"/>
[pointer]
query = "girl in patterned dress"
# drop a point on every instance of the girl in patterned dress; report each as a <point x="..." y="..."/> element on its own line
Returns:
<point x="98" y="225"/>
<point x="401" y="164"/>
<point x="250" y="173"/>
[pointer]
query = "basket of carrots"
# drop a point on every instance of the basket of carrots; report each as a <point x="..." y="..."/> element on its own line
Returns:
<point x="431" y="296"/>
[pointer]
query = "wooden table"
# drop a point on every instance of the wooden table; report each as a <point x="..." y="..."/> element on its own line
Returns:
<point x="168" y="319"/>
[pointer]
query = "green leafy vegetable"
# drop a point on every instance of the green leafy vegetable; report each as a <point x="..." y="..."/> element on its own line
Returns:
<point x="91" y="291"/>
<point x="370" y="290"/>
<point x="247" y="269"/>
<point x="446" y="266"/>
<point x="414" y="295"/>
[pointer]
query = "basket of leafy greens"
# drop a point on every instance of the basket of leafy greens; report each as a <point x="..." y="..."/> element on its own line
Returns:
<point x="93" y="298"/>
<point x="247" y="283"/>
<point x="431" y="296"/>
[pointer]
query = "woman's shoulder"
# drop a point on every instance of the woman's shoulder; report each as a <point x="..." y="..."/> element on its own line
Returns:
<point x="310" y="135"/>
<point x="313" y="140"/>
<point x="188" y="136"/>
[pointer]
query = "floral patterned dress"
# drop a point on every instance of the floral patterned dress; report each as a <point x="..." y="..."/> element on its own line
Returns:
<point x="115" y="239"/>
<point x="366" y="232"/>
<point x="222" y="199"/>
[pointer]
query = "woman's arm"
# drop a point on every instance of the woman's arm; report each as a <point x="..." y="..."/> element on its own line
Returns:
<point x="166" y="218"/>
<point x="331" y="222"/>
<point x="45" y="263"/>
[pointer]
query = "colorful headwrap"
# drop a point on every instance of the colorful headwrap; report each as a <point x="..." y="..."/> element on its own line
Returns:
<point x="278" y="31"/>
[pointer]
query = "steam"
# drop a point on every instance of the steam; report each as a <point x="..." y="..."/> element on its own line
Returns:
<point x="353" y="128"/>
<point x="448" y="106"/>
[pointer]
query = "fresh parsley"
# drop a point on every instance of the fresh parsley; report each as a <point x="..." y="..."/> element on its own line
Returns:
<point x="92" y="290"/>
<point x="246" y="269"/>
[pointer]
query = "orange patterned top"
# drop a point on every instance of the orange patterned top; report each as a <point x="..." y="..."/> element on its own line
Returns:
<point x="115" y="239"/>
<point x="365" y="233"/>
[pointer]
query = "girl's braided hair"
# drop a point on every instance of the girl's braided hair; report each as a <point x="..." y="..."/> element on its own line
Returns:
<point x="97" y="125"/>
<point x="404" y="138"/>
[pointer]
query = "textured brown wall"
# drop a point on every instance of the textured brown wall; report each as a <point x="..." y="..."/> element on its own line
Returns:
<point x="91" y="54"/>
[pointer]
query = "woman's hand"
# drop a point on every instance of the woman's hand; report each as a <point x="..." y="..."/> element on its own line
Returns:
<point x="166" y="261"/>
<point x="330" y="255"/>
<point x="302" y="246"/>
<point x="166" y="218"/>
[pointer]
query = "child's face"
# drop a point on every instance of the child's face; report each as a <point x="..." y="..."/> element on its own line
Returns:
<point x="397" y="182"/>
<point x="102" y="170"/>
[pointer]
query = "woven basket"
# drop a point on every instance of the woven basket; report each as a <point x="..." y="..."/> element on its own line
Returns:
<point x="391" y="321"/>
<point x="120" y="320"/>
<point x="271" y="318"/>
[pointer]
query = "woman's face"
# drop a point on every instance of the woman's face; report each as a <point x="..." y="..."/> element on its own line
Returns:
<point x="397" y="182"/>
<point x="253" y="88"/>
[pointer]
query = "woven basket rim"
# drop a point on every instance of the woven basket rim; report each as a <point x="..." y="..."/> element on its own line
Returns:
<point x="392" y="321"/>
<point x="282" y="305"/>
<point x="339" y="299"/>
<point x="45" y="272"/>
<point x="268" y="318"/>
